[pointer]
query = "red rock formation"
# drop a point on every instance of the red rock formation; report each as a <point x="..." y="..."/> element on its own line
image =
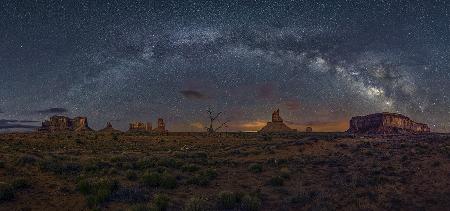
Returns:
<point x="308" y="129"/>
<point x="62" y="124"/>
<point x="109" y="129"/>
<point x="277" y="125"/>
<point x="276" y="116"/>
<point x="140" y="127"/>
<point x="386" y="123"/>
<point x="161" y="126"/>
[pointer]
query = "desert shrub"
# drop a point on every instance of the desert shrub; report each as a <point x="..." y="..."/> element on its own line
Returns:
<point x="196" y="204"/>
<point x="203" y="178"/>
<point x="6" y="192"/>
<point x="99" y="191"/>
<point x="160" y="202"/>
<point x="228" y="200"/>
<point x="20" y="183"/>
<point x="113" y="171"/>
<point x="2" y="164"/>
<point x="168" y="181"/>
<point x="131" y="175"/>
<point x="313" y="197"/>
<point x="190" y="168"/>
<point x="78" y="141"/>
<point x="129" y="194"/>
<point x="265" y="137"/>
<point x="436" y="163"/>
<point x="276" y="181"/>
<point x="115" y="137"/>
<point x="170" y="163"/>
<point x="139" y="207"/>
<point x="255" y="168"/>
<point x="285" y="173"/>
<point x="151" y="179"/>
<point x="26" y="159"/>
<point x="147" y="162"/>
<point x="250" y="202"/>
<point x="60" y="168"/>
<point x="155" y="179"/>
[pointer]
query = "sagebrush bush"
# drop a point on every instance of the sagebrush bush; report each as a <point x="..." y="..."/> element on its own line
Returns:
<point x="285" y="173"/>
<point x="203" y="178"/>
<point x="6" y="192"/>
<point x="131" y="175"/>
<point x="190" y="168"/>
<point x="160" y="202"/>
<point x="276" y="181"/>
<point x="228" y="200"/>
<point x="250" y="203"/>
<point x="155" y="179"/>
<point x="97" y="192"/>
<point x="255" y="168"/>
<point x="20" y="183"/>
<point x="196" y="204"/>
<point x="26" y="160"/>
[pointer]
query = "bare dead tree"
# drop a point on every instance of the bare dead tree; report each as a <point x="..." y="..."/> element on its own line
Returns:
<point x="213" y="118"/>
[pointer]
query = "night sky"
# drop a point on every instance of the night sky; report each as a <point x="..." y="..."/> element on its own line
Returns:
<point x="320" y="62"/>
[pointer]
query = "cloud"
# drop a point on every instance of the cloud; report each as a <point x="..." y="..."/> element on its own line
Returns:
<point x="197" y="125"/>
<point x="16" y="124"/>
<point x="1" y="111"/>
<point x="52" y="111"/>
<point x="193" y="95"/>
<point x="251" y="125"/>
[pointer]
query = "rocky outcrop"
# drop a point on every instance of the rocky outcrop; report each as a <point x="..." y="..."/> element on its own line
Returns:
<point x="386" y="123"/>
<point x="140" y="127"/>
<point x="147" y="127"/>
<point x="109" y="129"/>
<point x="308" y="129"/>
<point x="161" y="126"/>
<point x="277" y="125"/>
<point x="65" y="124"/>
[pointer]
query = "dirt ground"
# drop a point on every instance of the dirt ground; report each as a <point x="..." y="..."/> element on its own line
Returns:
<point x="251" y="172"/>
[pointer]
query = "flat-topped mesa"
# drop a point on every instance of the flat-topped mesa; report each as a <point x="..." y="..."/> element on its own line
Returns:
<point x="140" y="127"/>
<point x="161" y="126"/>
<point x="386" y="123"/>
<point x="277" y="125"/>
<point x="65" y="124"/>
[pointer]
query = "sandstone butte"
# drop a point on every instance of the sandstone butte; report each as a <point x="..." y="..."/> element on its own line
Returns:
<point x="147" y="127"/>
<point x="109" y="129"/>
<point x="386" y="123"/>
<point x="62" y="123"/>
<point x="277" y="125"/>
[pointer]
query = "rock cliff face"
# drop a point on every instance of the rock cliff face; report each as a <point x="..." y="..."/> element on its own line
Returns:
<point x="386" y="123"/>
<point x="140" y="127"/>
<point x="63" y="124"/>
<point x="109" y="129"/>
<point x="161" y="126"/>
<point x="277" y="125"/>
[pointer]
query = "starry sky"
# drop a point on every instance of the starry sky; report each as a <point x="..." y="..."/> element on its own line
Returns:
<point x="320" y="62"/>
